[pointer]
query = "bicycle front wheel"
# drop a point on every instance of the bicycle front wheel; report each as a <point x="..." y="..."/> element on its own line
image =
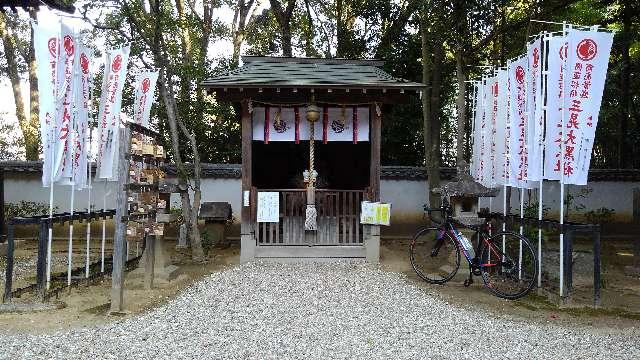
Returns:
<point x="434" y="255"/>
<point x="509" y="266"/>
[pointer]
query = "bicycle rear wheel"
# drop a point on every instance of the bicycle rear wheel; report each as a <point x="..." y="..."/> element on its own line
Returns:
<point x="434" y="255"/>
<point x="508" y="265"/>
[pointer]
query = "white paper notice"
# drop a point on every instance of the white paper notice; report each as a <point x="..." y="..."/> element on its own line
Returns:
<point x="268" y="207"/>
<point x="245" y="198"/>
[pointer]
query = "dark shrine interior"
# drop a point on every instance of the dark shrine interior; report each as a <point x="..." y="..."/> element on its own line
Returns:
<point x="340" y="165"/>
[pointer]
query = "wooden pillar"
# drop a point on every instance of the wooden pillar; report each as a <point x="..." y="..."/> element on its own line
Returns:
<point x="3" y="223"/>
<point x="374" y="138"/>
<point x="119" y="246"/>
<point x="372" y="232"/>
<point x="247" y="239"/>
<point x="149" y="260"/>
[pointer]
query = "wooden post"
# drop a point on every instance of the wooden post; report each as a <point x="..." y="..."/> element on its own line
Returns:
<point x="8" y="280"/>
<point x="149" y="260"/>
<point x="247" y="240"/>
<point x="119" y="252"/>
<point x="3" y="223"/>
<point x="41" y="268"/>
<point x="372" y="232"/>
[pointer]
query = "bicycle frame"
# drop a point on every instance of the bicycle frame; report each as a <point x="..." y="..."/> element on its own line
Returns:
<point x="449" y="228"/>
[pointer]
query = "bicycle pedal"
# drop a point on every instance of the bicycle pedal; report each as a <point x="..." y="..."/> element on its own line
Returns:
<point x="468" y="282"/>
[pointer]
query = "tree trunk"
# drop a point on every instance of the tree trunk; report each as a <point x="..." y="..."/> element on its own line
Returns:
<point x="34" y="101"/>
<point x="29" y="132"/>
<point x="286" y="40"/>
<point x="436" y="121"/>
<point x="461" y="76"/>
<point x="624" y="153"/>
<point x="283" y="17"/>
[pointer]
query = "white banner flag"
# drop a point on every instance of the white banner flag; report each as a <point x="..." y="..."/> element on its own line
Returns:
<point x="485" y="120"/>
<point x="587" y="62"/>
<point x="475" y="132"/>
<point x="46" y="44"/>
<point x="556" y="57"/>
<point x="65" y="101"/>
<point x="145" y="86"/>
<point x="535" y="122"/>
<point x="501" y="129"/>
<point x="109" y="111"/>
<point x="518" y="143"/>
<point x="494" y="173"/>
<point x="81" y="123"/>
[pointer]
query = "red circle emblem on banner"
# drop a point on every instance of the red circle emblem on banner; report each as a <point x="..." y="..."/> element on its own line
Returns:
<point x="84" y="63"/>
<point x="587" y="49"/>
<point x="520" y="74"/>
<point x="117" y="63"/>
<point x="68" y="45"/>
<point x="563" y="51"/>
<point x="146" y="84"/>
<point x="536" y="57"/>
<point x="53" y="46"/>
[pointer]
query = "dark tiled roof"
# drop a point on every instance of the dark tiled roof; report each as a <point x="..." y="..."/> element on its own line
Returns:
<point x="276" y="72"/>
<point x="27" y="4"/>
<point x="233" y="171"/>
<point x="225" y="171"/>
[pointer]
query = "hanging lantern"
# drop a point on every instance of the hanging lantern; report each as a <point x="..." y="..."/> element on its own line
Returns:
<point x="313" y="113"/>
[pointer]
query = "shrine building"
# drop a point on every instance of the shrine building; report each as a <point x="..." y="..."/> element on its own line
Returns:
<point x="310" y="152"/>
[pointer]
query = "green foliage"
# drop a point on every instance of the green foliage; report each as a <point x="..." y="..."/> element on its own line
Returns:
<point x="602" y="215"/>
<point x="11" y="146"/>
<point x="531" y="210"/>
<point x="26" y="208"/>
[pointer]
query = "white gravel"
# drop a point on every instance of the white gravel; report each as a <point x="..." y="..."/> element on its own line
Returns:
<point x="320" y="311"/>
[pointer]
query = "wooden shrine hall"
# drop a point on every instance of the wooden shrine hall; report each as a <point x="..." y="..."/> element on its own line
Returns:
<point x="310" y="153"/>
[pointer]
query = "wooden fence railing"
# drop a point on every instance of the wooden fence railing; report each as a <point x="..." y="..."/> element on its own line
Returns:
<point x="338" y="218"/>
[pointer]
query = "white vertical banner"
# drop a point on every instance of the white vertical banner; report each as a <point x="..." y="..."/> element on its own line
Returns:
<point x="81" y="124"/>
<point x="145" y="85"/>
<point x="65" y="101"/>
<point x="501" y="128"/>
<point x="482" y="133"/>
<point x="587" y="62"/>
<point x="494" y="173"/>
<point x="46" y="44"/>
<point x="109" y="111"/>
<point x="535" y="123"/>
<point x="556" y="57"/>
<point x="475" y="135"/>
<point x="518" y="152"/>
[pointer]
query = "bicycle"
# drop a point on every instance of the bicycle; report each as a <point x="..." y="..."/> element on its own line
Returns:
<point x="505" y="260"/>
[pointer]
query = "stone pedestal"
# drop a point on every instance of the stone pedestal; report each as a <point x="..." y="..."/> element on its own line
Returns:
<point x="182" y="237"/>
<point x="372" y="243"/>
<point x="247" y="247"/>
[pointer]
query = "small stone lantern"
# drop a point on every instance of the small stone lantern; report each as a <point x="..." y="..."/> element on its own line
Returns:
<point x="463" y="195"/>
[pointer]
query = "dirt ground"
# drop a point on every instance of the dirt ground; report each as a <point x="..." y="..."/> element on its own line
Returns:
<point x="89" y="305"/>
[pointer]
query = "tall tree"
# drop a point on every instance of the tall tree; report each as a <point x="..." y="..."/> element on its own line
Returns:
<point x="284" y="17"/>
<point x="14" y="53"/>
<point x="239" y="25"/>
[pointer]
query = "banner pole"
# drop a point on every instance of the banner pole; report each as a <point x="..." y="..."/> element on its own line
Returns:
<point x="90" y="183"/>
<point x="104" y="225"/>
<point x="564" y="71"/>
<point x="70" y="249"/>
<point x="50" y="235"/>
<point x="545" y="72"/>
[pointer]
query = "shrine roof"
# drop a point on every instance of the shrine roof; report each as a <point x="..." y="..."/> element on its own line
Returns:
<point x="284" y="72"/>
<point x="61" y="5"/>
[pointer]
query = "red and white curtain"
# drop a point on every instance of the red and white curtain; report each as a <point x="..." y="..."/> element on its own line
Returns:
<point x="275" y="123"/>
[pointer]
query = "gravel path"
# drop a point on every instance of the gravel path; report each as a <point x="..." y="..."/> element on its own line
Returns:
<point x="313" y="311"/>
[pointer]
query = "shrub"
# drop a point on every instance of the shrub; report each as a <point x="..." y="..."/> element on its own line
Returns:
<point x="26" y="208"/>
